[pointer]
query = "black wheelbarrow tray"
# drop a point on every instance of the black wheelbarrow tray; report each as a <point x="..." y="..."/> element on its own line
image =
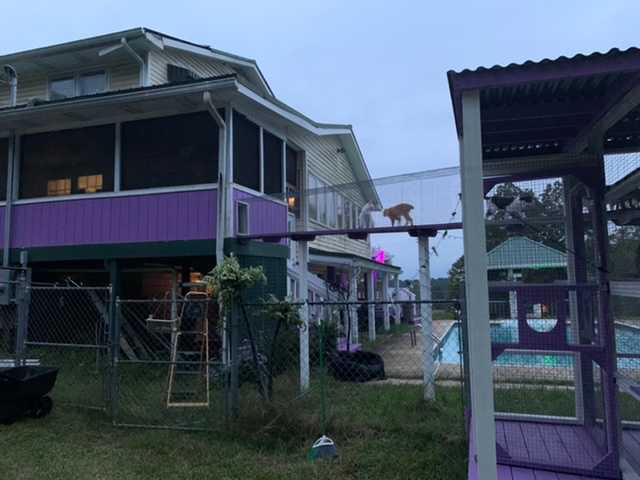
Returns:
<point x="23" y="391"/>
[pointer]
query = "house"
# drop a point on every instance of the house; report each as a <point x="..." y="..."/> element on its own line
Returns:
<point x="137" y="159"/>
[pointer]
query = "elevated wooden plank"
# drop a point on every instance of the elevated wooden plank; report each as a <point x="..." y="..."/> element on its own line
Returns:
<point x="523" y="473"/>
<point x="535" y="443"/>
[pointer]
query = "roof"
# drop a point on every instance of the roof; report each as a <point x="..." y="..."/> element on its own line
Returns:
<point x="151" y="39"/>
<point x="524" y="253"/>
<point x="351" y="259"/>
<point x="542" y="107"/>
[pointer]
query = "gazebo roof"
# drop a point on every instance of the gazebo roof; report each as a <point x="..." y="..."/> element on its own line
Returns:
<point x="553" y="106"/>
<point x="524" y="253"/>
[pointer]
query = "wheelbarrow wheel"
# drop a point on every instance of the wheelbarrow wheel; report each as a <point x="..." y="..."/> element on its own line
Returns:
<point x="42" y="408"/>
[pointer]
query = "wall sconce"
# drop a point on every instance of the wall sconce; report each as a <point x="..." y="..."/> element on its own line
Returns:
<point x="291" y="201"/>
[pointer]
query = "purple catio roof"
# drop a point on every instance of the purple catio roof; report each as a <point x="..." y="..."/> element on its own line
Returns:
<point x="542" y="107"/>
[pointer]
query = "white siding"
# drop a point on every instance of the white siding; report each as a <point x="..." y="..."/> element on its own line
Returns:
<point x="326" y="163"/>
<point x="121" y="77"/>
<point x="203" y="67"/>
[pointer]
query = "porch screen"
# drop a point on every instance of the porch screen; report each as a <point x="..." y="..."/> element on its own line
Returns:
<point x="169" y="151"/>
<point x="67" y="162"/>
<point x="292" y="167"/>
<point x="246" y="152"/>
<point x="4" y="160"/>
<point x="272" y="163"/>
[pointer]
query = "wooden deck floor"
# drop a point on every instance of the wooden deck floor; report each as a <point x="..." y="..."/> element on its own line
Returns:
<point x="631" y="447"/>
<point x="564" y="446"/>
<point x="548" y="444"/>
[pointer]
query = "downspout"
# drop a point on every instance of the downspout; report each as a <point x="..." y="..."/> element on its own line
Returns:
<point x="13" y="84"/>
<point x="138" y="59"/>
<point x="222" y="184"/>
<point x="6" y="248"/>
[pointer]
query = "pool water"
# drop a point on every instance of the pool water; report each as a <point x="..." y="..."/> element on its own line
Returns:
<point x="627" y="341"/>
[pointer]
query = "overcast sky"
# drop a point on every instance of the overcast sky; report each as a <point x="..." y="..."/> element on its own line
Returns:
<point x="380" y="66"/>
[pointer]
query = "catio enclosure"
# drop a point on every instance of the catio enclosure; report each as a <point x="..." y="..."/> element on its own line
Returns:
<point x="551" y="148"/>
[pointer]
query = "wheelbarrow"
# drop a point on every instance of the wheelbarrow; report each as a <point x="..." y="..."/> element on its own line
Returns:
<point x="23" y="392"/>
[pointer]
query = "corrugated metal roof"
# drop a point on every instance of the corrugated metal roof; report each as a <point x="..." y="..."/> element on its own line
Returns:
<point x="524" y="253"/>
<point x="579" y="57"/>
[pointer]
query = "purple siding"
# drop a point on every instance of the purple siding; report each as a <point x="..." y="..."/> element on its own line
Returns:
<point x="159" y="217"/>
<point x="265" y="214"/>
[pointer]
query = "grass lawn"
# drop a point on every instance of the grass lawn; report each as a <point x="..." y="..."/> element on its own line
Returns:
<point x="382" y="432"/>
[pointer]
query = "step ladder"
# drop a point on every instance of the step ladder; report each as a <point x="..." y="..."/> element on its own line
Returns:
<point x="188" y="382"/>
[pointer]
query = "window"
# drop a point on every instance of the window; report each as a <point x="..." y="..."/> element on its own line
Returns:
<point x="62" y="88"/>
<point x="242" y="216"/>
<point x="348" y="214"/>
<point x="246" y="152"/>
<point x="91" y="83"/>
<point x="179" y="74"/>
<point x="331" y="207"/>
<point x="356" y="216"/>
<point x="59" y="187"/>
<point x="272" y="147"/>
<point x="169" y="151"/>
<point x="312" y="197"/>
<point x="81" y="84"/>
<point x="67" y="162"/>
<point x="292" y="166"/>
<point x="90" y="183"/>
<point x="340" y="217"/>
<point x="322" y="202"/>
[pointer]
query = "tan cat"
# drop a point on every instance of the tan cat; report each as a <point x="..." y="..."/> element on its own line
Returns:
<point x="398" y="212"/>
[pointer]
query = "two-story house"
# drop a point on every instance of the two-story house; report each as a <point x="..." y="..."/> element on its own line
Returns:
<point x="130" y="154"/>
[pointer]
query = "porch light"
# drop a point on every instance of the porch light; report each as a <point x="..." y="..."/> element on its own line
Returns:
<point x="291" y="201"/>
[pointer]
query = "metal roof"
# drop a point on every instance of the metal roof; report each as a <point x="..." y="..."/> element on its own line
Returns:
<point x="524" y="253"/>
<point x="536" y="108"/>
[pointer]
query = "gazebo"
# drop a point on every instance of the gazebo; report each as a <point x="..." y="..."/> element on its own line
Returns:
<point x="547" y="119"/>
<point x="522" y="253"/>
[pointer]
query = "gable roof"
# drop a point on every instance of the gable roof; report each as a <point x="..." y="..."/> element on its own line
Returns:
<point x="524" y="253"/>
<point x="151" y="39"/>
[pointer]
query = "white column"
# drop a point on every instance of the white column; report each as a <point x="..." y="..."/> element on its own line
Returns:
<point x="398" y="308"/>
<point x="303" y="260"/>
<point x="513" y="297"/>
<point x="385" y="298"/>
<point x="428" y="364"/>
<point x="371" y="308"/>
<point x="476" y="288"/>
<point x="353" y="310"/>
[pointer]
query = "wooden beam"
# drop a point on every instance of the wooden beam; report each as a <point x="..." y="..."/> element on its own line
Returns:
<point x="614" y="109"/>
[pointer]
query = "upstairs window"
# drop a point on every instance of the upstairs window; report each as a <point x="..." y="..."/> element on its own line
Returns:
<point x="67" y="162"/>
<point x="242" y="215"/>
<point x="88" y="83"/>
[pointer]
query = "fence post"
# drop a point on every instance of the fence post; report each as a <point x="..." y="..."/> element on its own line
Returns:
<point x="23" y="300"/>
<point x="428" y="364"/>
<point x="303" y="269"/>
<point x="385" y="298"/>
<point x="233" y="394"/>
<point x="371" y="307"/>
<point x="115" y="312"/>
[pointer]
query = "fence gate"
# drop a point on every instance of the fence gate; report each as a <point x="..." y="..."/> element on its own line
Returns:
<point x="68" y="327"/>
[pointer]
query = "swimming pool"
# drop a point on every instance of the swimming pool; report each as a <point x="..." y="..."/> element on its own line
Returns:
<point x="627" y="341"/>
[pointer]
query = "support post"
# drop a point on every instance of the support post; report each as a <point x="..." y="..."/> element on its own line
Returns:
<point x="23" y="299"/>
<point x="303" y="262"/>
<point x="371" y="308"/>
<point x="398" y="308"/>
<point x="114" y="333"/>
<point x="353" y="309"/>
<point x="428" y="364"/>
<point x="477" y="290"/>
<point x="576" y="274"/>
<point x="385" y="298"/>
<point x="606" y="328"/>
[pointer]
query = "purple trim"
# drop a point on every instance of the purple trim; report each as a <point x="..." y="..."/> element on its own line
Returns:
<point x="160" y="217"/>
<point x="266" y="215"/>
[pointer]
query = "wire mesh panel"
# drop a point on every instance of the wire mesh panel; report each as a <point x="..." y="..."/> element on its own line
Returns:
<point x="68" y="328"/>
<point x="168" y="369"/>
